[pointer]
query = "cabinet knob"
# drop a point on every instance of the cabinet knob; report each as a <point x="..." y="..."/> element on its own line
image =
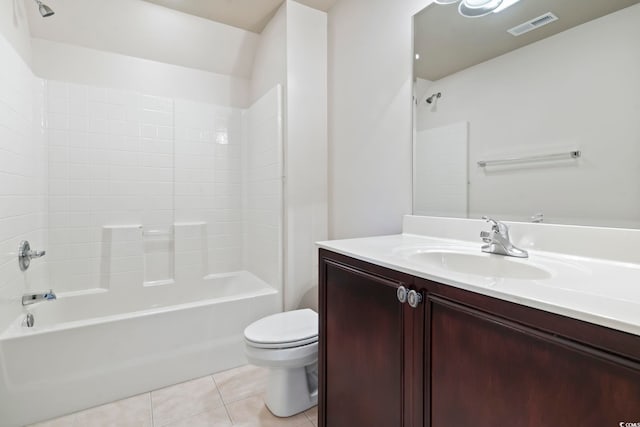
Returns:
<point x="401" y="293"/>
<point x="414" y="298"/>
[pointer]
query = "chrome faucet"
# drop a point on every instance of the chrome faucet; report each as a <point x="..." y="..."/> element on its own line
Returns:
<point x="32" y="298"/>
<point x="498" y="241"/>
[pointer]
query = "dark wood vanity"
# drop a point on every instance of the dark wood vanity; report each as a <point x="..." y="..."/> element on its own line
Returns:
<point x="461" y="359"/>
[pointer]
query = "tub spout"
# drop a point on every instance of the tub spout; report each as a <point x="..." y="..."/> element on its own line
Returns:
<point x="32" y="298"/>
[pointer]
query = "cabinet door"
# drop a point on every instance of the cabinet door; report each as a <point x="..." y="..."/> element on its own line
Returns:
<point x="362" y="347"/>
<point x="487" y="371"/>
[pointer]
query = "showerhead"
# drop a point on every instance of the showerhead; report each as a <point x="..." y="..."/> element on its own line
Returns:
<point x="433" y="97"/>
<point x="45" y="10"/>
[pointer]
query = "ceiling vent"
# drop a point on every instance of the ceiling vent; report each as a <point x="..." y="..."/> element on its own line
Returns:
<point x="538" y="22"/>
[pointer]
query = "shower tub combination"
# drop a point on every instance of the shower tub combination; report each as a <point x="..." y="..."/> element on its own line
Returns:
<point x="150" y="314"/>
<point x="97" y="347"/>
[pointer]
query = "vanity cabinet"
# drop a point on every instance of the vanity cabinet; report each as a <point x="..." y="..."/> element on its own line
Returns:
<point x="365" y="345"/>
<point x="461" y="358"/>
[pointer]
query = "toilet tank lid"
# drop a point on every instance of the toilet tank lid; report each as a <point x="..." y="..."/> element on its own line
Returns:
<point x="290" y="326"/>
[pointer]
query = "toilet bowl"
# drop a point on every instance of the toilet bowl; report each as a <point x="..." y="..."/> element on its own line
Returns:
<point x="287" y="344"/>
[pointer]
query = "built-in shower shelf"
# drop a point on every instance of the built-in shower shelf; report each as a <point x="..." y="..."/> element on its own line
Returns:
<point x="157" y="232"/>
<point x="164" y="282"/>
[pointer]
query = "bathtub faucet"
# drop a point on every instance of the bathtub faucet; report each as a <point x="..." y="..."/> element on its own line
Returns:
<point x="32" y="298"/>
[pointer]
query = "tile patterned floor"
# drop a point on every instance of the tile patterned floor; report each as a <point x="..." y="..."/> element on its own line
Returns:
<point x="230" y="398"/>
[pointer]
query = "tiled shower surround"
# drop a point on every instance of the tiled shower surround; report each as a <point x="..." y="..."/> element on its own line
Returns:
<point x="23" y="174"/>
<point x="151" y="190"/>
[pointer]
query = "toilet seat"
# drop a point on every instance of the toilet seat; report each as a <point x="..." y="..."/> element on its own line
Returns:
<point x="283" y="330"/>
<point x="282" y="345"/>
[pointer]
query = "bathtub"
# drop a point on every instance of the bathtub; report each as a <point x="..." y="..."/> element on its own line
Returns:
<point x="92" y="348"/>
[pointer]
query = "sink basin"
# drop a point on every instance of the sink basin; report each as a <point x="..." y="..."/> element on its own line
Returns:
<point x="481" y="264"/>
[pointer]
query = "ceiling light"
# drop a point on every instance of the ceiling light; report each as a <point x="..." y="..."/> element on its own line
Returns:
<point x="477" y="4"/>
<point x="478" y="8"/>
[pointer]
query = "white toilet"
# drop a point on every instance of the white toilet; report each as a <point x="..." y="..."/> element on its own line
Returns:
<point x="287" y="344"/>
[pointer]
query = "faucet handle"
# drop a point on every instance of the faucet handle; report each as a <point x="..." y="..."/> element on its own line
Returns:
<point x="494" y="224"/>
<point x="36" y="254"/>
<point x="498" y="226"/>
<point x="490" y="220"/>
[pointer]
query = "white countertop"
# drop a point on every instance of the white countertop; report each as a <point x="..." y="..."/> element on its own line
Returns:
<point x="600" y="291"/>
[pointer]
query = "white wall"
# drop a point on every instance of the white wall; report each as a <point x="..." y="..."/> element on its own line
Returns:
<point x="263" y="191"/>
<point x="270" y="62"/>
<point x="14" y="26"/>
<point x="576" y="90"/>
<point x="198" y="71"/>
<point x="441" y="171"/>
<point x="145" y="30"/>
<point x="370" y="126"/>
<point x="122" y="164"/>
<point x="100" y="82"/>
<point x="71" y="63"/>
<point x="209" y="181"/>
<point x="306" y="149"/>
<point x="292" y="51"/>
<point x="110" y="164"/>
<point x="23" y="171"/>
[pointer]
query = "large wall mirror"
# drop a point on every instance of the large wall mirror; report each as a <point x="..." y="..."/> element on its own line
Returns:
<point x="530" y="112"/>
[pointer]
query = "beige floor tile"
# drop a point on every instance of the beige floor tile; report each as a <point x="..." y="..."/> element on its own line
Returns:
<point x="184" y="400"/>
<point x="312" y="414"/>
<point x="252" y="412"/>
<point x="132" y="412"/>
<point x="66" y="421"/>
<point x="217" y="417"/>
<point x="240" y="383"/>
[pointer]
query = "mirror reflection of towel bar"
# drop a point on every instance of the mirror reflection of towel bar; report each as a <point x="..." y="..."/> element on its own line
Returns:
<point x="545" y="157"/>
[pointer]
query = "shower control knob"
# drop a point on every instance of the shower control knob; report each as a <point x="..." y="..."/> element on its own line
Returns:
<point x="401" y="293"/>
<point x="25" y="255"/>
<point x="414" y="298"/>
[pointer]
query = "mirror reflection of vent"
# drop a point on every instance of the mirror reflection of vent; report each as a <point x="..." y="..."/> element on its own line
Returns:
<point x="538" y="22"/>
